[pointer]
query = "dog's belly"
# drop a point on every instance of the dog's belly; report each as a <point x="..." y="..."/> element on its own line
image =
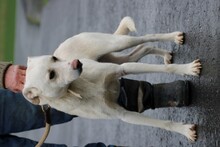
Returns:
<point x="94" y="110"/>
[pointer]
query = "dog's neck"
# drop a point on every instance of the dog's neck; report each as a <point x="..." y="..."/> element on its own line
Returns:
<point x="74" y="93"/>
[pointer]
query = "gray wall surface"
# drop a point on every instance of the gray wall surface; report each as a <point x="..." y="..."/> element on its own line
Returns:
<point x="199" y="19"/>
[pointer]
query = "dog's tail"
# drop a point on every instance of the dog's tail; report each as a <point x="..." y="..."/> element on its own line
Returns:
<point x="126" y="25"/>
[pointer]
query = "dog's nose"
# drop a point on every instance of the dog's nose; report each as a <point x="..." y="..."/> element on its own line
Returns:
<point x="76" y="64"/>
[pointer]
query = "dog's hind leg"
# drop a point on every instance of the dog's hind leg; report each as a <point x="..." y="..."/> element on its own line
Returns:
<point x="187" y="130"/>
<point x="100" y="44"/>
<point x="126" y="25"/>
<point x="136" y="54"/>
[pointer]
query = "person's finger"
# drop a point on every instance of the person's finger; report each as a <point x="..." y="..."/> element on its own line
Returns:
<point x="22" y="72"/>
<point x="15" y="88"/>
<point x="19" y="87"/>
<point x="15" y="91"/>
<point x="22" y="79"/>
<point x="22" y="67"/>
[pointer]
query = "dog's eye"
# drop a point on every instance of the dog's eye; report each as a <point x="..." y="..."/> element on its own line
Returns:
<point x="54" y="58"/>
<point x="52" y="74"/>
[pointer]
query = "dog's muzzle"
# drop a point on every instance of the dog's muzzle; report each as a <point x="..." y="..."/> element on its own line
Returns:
<point x="76" y="65"/>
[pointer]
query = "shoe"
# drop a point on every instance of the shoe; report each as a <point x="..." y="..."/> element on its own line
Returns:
<point x="174" y="94"/>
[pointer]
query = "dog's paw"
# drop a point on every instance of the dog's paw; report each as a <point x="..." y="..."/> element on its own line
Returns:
<point x="190" y="132"/>
<point x="168" y="58"/>
<point x="194" y="68"/>
<point x="178" y="37"/>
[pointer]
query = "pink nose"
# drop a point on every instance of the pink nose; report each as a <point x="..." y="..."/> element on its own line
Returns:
<point x="76" y="64"/>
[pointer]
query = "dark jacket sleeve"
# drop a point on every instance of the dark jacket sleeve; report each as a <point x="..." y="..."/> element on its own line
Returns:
<point x="11" y="141"/>
<point x="3" y="67"/>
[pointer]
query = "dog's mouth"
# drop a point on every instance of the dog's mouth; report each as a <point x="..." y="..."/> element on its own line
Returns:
<point x="76" y="65"/>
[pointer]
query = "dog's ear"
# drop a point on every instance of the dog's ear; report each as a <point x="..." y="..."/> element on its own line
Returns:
<point x="32" y="94"/>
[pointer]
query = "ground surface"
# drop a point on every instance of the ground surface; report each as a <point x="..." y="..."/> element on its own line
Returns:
<point x="198" y="19"/>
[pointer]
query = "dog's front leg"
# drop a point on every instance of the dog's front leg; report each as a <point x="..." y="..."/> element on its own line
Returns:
<point x="192" y="68"/>
<point x="187" y="130"/>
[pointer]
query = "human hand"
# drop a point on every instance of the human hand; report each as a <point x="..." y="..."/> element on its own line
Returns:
<point x="15" y="78"/>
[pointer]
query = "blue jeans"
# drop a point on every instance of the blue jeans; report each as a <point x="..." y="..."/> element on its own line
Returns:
<point x="17" y="114"/>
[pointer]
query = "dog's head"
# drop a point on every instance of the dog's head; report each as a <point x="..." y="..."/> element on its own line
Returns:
<point x="48" y="77"/>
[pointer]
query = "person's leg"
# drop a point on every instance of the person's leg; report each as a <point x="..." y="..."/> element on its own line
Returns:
<point x="17" y="114"/>
<point x="14" y="141"/>
<point x="141" y="95"/>
<point x="99" y="144"/>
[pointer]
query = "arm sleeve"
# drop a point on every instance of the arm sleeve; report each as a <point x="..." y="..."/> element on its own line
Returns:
<point x="11" y="140"/>
<point x="3" y="67"/>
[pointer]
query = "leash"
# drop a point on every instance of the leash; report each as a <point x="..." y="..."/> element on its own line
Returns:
<point x="46" y="110"/>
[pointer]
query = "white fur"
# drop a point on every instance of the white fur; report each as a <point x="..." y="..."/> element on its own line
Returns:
<point x="93" y="92"/>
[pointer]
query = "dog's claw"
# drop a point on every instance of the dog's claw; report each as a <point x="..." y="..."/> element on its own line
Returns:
<point x="168" y="58"/>
<point x="179" y="37"/>
<point x="195" y="67"/>
<point x="190" y="132"/>
<point x="193" y="135"/>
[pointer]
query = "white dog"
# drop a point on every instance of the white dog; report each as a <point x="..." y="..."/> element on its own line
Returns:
<point x="74" y="82"/>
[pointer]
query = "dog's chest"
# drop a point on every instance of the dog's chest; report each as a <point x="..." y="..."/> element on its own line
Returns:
<point x="95" y="101"/>
<point x="94" y="94"/>
<point x="99" y="91"/>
